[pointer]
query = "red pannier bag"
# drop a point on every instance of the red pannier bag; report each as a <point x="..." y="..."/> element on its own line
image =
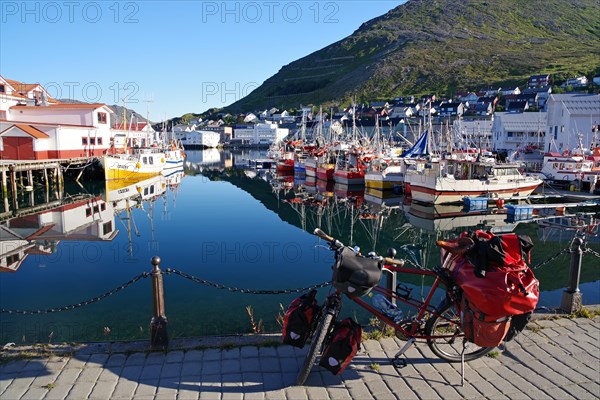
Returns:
<point x="481" y="329"/>
<point x="298" y="319"/>
<point x="344" y="344"/>
<point x="494" y="276"/>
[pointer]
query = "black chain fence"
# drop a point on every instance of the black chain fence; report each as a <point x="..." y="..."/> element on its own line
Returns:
<point x="240" y="290"/>
<point x="80" y="304"/>
<point x="232" y="288"/>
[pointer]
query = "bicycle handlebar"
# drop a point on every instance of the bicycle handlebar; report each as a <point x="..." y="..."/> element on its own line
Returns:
<point x="387" y="260"/>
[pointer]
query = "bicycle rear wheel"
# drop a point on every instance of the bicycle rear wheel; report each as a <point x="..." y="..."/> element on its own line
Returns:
<point x="450" y="348"/>
<point x="315" y="347"/>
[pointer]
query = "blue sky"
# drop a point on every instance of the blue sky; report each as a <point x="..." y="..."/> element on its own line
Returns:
<point x="185" y="56"/>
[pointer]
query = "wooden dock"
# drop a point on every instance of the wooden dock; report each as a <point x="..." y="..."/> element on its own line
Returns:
<point x="18" y="176"/>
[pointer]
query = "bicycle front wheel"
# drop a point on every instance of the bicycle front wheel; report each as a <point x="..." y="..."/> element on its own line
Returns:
<point x="449" y="348"/>
<point x="315" y="347"/>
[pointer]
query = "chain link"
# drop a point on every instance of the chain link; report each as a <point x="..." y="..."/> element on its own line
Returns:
<point x="78" y="305"/>
<point x="240" y="290"/>
<point x="593" y="252"/>
<point x="552" y="258"/>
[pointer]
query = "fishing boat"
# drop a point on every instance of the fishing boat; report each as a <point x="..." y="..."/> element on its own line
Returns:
<point x="325" y="171"/>
<point x="138" y="164"/>
<point x="449" y="181"/>
<point x="572" y="168"/>
<point x="174" y="157"/>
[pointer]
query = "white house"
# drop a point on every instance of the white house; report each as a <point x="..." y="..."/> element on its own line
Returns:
<point x="260" y="134"/>
<point x="571" y="115"/>
<point x="473" y="132"/>
<point x="55" y="131"/>
<point x="138" y="134"/>
<point x="512" y="131"/>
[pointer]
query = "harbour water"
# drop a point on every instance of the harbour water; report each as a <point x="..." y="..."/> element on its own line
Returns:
<point x="241" y="228"/>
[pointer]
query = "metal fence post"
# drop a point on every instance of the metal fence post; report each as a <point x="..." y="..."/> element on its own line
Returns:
<point x="390" y="284"/>
<point x="158" y="326"/>
<point x="572" y="297"/>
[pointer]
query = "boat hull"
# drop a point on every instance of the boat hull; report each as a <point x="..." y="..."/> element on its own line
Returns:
<point x="349" y="177"/>
<point x="440" y="196"/>
<point x="137" y="167"/>
<point x="325" y="173"/>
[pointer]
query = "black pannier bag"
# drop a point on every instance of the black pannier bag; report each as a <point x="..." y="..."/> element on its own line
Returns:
<point x="517" y="324"/>
<point x="343" y="346"/>
<point x="299" y="318"/>
<point x="355" y="275"/>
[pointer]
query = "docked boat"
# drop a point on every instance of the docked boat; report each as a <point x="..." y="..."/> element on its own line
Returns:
<point x="325" y="171"/>
<point x="449" y="181"/>
<point x="383" y="176"/>
<point x="174" y="157"/>
<point x="567" y="169"/>
<point x="134" y="164"/>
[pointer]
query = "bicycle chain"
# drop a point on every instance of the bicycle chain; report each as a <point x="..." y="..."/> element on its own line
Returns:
<point x="80" y="304"/>
<point x="241" y="290"/>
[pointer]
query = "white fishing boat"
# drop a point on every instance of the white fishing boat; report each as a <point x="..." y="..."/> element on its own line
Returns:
<point x="568" y="168"/>
<point x="134" y="164"/>
<point x="174" y="157"/>
<point x="449" y="181"/>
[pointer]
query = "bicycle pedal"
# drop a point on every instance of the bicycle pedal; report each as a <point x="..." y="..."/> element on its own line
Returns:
<point x="399" y="363"/>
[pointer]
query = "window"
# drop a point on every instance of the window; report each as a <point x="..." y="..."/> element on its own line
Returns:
<point x="84" y="141"/>
<point x="145" y="160"/>
<point x="96" y="209"/>
<point x="102" y="118"/>
<point x="107" y="228"/>
<point x="103" y="207"/>
<point x="12" y="259"/>
<point x="2" y="89"/>
<point x="99" y="141"/>
<point x="88" y="212"/>
<point x="151" y="160"/>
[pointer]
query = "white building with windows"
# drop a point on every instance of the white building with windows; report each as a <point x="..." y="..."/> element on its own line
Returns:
<point x="260" y="134"/>
<point x="571" y="115"/>
<point x="512" y="131"/>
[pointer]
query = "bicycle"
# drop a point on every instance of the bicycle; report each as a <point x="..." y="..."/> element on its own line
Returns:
<point x="438" y="325"/>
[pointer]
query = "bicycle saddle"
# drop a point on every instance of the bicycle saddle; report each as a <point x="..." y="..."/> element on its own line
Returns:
<point x="460" y="247"/>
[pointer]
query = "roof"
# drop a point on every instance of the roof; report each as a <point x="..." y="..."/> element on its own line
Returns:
<point x="578" y="103"/>
<point x="92" y="106"/>
<point x="522" y="122"/>
<point x="28" y="129"/>
<point x="20" y="86"/>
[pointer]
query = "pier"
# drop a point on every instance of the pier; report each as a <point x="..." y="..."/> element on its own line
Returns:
<point x="20" y="176"/>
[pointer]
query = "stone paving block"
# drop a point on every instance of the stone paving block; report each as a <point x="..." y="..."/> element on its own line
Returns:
<point x="174" y="356"/>
<point x="191" y="369"/>
<point x="250" y="365"/>
<point x="231" y="354"/>
<point x="296" y="393"/>
<point x="557" y="393"/>
<point x="272" y="381"/>
<point x="485" y="387"/>
<point x="116" y="360"/>
<point x="156" y="358"/>
<point x="132" y="372"/>
<point x="358" y="390"/>
<point x="269" y="364"/>
<point x="250" y="351"/>
<point x="232" y="396"/>
<point x="35" y="393"/>
<point x="592" y="387"/>
<point x="81" y="390"/>
<point x="378" y="388"/>
<point x="136" y="359"/>
<point x="211" y="367"/>
<point x="267" y="352"/>
<point x="254" y="396"/>
<point x="102" y="390"/>
<point x="151" y="372"/>
<point x="45" y="379"/>
<point x="54" y="364"/>
<point x="89" y="374"/>
<point x="210" y="396"/>
<point x="146" y="387"/>
<point x="68" y="376"/>
<point x="285" y="351"/>
<point x="99" y="359"/>
<point x="467" y="391"/>
<point x="371" y="346"/>
<point x="165" y="392"/>
<point x="229" y="366"/>
<point x="188" y="394"/>
<point x="108" y="375"/>
<point x="212" y="355"/>
<point x="124" y="389"/>
<point x="172" y="370"/>
<point x="422" y="389"/>
<point x="14" y="366"/>
<point x="338" y="392"/>
<point x="192" y="356"/>
<point x="317" y="393"/>
<point x="58" y="392"/>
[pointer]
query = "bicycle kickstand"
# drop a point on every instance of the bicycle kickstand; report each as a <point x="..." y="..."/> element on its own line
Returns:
<point x="462" y="363"/>
<point x="398" y="362"/>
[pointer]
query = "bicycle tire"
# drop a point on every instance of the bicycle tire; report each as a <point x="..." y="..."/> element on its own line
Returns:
<point x="315" y="347"/>
<point x="450" y="349"/>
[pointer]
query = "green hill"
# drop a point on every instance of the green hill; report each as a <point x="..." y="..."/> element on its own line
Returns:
<point x="441" y="46"/>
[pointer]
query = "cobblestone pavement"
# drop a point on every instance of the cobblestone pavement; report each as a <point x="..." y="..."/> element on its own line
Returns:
<point x="554" y="358"/>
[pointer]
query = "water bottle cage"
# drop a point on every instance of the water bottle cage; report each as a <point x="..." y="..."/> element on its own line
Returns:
<point x="403" y="291"/>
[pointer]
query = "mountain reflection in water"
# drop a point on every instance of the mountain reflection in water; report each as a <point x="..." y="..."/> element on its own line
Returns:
<point x="230" y="224"/>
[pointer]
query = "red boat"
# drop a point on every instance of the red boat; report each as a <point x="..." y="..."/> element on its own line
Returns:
<point x="325" y="171"/>
<point x="285" y="166"/>
<point x="352" y="176"/>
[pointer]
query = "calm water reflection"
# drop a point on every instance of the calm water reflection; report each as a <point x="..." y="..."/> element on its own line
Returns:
<point x="223" y="223"/>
